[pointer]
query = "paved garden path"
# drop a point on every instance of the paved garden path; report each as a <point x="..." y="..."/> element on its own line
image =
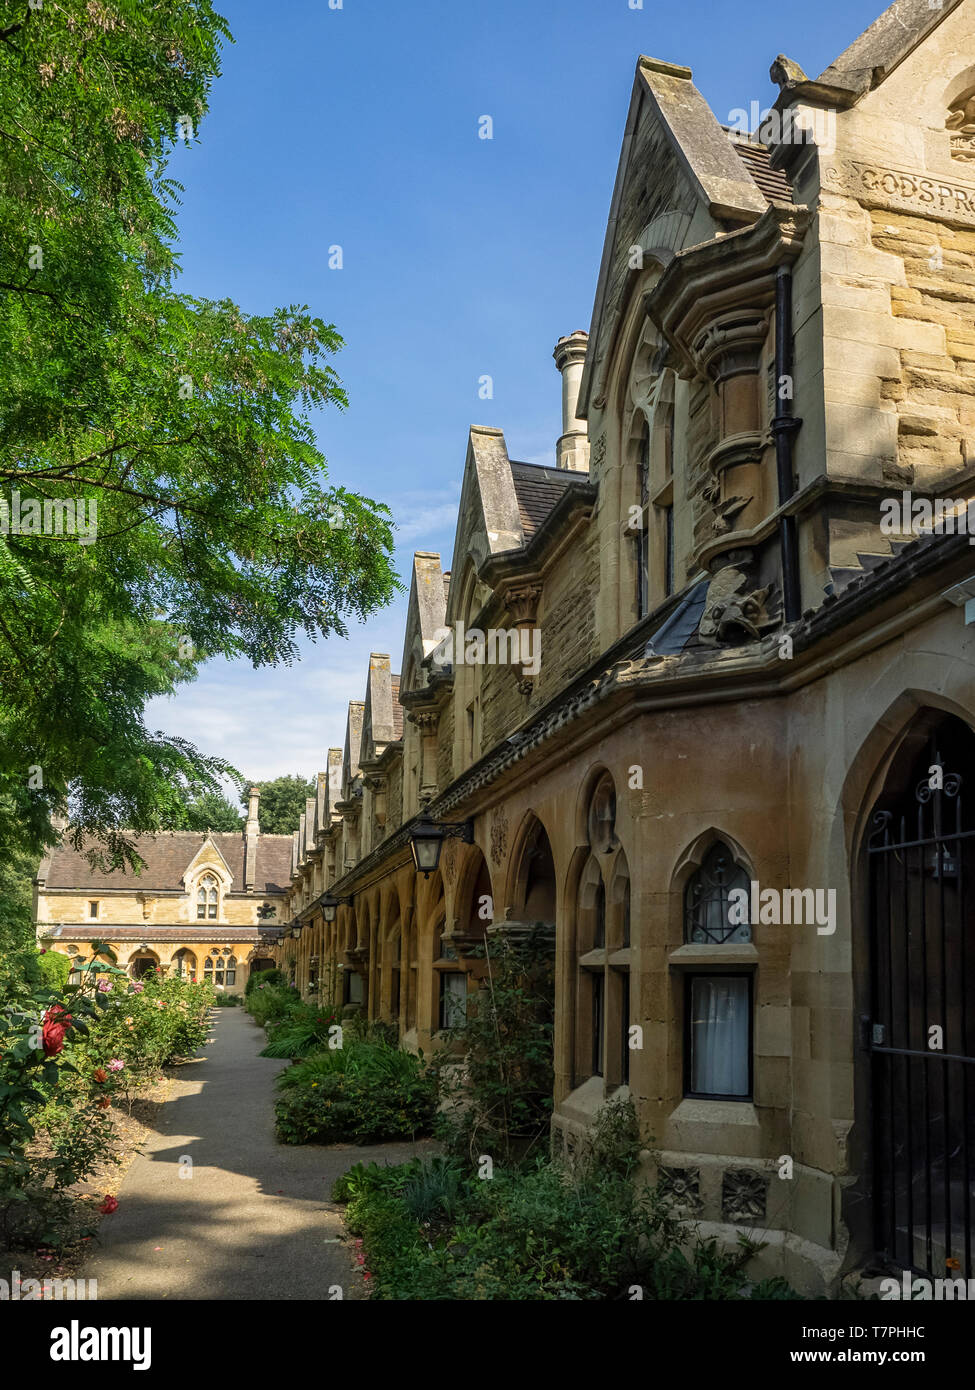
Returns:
<point x="256" y="1219"/>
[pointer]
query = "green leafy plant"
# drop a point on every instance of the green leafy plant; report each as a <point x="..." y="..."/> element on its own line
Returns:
<point x="186" y="421"/>
<point x="500" y="1101"/>
<point x="262" y="977"/>
<point x="360" y="1093"/>
<point x="303" y="1030"/>
<point x="67" y="1056"/>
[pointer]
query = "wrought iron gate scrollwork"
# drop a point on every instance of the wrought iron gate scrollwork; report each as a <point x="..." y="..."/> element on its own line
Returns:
<point x="921" y="1032"/>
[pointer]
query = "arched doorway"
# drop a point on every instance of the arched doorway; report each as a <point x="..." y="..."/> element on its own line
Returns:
<point x="184" y="962"/>
<point x="920" y="852"/>
<point x="143" y="963"/>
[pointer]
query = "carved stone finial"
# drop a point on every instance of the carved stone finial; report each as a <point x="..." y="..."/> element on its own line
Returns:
<point x="785" y="73"/>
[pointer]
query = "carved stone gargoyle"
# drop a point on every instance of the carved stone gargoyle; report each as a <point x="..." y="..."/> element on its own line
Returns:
<point x="733" y="612"/>
<point x="785" y="73"/>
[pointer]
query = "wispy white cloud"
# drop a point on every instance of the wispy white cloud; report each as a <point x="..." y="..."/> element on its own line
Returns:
<point x="425" y="515"/>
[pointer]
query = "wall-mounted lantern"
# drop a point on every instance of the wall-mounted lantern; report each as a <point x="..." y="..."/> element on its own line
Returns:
<point x="427" y="837"/>
<point x="331" y="905"/>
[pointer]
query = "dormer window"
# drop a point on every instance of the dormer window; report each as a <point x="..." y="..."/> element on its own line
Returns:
<point x="207" y="898"/>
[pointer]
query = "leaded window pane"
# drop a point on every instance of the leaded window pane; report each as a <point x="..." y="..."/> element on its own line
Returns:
<point x="716" y="901"/>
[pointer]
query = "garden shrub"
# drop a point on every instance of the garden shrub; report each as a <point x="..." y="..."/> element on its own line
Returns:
<point x="262" y="977"/>
<point x="67" y="1055"/>
<point x="306" y="1028"/>
<point x="360" y="1093"/>
<point x="536" y="1234"/>
<point x="50" y="969"/>
<point x="428" y="1230"/>
<point x="272" y="1002"/>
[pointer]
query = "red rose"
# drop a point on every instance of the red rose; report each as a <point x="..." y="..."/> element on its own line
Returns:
<point x="57" y="1021"/>
<point x="109" y="1205"/>
<point x="104" y="1103"/>
<point x="100" y="1074"/>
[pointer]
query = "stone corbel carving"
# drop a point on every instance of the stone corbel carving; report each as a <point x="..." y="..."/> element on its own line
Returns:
<point x="427" y="722"/>
<point x="734" y="612"/>
<point x="721" y="514"/>
<point x="522" y="604"/>
<point x="376" y="782"/>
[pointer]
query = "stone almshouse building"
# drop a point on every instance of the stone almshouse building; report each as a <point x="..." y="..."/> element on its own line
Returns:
<point x="199" y="908"/>
<point x="750" y="677"/>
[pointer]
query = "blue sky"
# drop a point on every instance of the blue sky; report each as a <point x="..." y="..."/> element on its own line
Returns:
<point x="462" y="257"/>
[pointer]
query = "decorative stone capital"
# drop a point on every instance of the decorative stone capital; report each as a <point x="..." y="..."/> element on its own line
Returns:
<point x="425" y="720"/>
<point x="522" y="603"/>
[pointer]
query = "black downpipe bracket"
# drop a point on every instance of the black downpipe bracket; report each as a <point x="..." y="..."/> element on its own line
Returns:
<point x="784" y="427"/>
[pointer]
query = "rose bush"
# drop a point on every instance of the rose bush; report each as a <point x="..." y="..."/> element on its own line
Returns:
<point x="67" y="1054"/>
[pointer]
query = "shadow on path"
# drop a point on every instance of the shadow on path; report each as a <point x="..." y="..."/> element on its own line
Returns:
<point x="254" y="1220"/>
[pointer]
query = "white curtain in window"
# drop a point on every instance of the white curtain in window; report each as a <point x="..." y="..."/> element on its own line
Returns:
<point x="454" y="986"/>
<point x="719" y="1035"/>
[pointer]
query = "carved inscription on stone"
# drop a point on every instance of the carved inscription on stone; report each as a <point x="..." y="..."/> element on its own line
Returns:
<point x="883" y="185"/>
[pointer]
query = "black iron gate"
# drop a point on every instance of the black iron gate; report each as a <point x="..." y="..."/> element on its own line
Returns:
<point x="921" y="1033"/>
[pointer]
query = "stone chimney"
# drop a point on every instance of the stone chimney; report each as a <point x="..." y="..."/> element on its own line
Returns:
<point x="572" y="450"/>
<point x="252" y="833"/>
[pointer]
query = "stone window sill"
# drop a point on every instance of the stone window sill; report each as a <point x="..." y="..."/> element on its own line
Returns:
<point x="704" y="955"/>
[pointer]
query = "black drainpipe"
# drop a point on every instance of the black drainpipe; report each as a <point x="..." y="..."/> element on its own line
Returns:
<point x="784" y="427"/>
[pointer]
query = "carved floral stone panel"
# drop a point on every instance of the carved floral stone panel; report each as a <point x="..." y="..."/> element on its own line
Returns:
<point x="743" y="1195"/>
<point x="683" y="1187"/>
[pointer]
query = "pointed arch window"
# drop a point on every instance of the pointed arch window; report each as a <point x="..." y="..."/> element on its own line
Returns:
<point x="207" y="898"/>
<point x="716" y="901"/>
<point x="642" y="536"/>
<point x="656" y="567"/>
<point x="603" y="936"/>
<point x="213" y="970"/>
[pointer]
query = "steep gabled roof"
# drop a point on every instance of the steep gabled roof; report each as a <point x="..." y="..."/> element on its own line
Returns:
<point x="379" y="719"/>
<point x="425" y="617"/>
<point x="336" y="784"/>
<point x="538" y="489"/>
<point x="168" y="855"/>
<point x="885" y="44"/>
<point x="774" y="183"/>
<point x="353" y="746"/>
<point x="679" y="177"/>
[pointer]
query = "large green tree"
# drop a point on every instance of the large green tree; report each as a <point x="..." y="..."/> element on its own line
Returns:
<point x="283" y="803"/>
<point x="185" y="421"/>
<point x="210" y="811"/>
